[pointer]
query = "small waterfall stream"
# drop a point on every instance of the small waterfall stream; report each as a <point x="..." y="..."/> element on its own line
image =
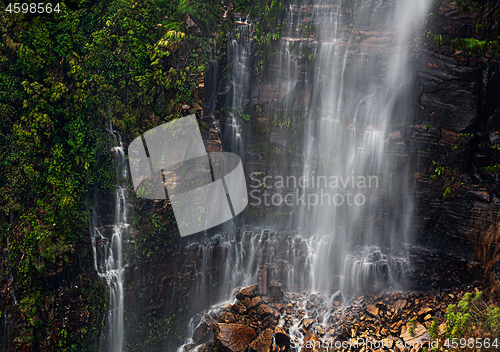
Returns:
<point x="108" y="241"/>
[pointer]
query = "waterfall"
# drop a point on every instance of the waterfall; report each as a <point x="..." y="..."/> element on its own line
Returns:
<point x="361" y="93"/>
<point x="108" y="239"/>
<point x="342" y="73"/>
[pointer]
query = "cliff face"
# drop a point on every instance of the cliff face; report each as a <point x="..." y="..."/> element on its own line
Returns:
<point x="70" y="307"/>
<point x="455" y="127"/>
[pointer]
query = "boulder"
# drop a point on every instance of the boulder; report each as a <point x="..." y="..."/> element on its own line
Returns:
<point x="281" y="337"/>
<point x="250" y="292"/>
<point x="239" y="308"/>
<point x="275" y="290"/>
<point x="312" y="343"/>
<point x="263" y="342"/>
<point x="255" y="301"/>
<point x="233" y="337"/>
<point x="202" y="333"/>
<point x="264" y="310"/>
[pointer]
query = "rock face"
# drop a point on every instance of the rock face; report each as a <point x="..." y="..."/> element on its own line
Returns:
<point x="448" y="93"/>
<point x="195" y="26"/>
<point x="233" y="337"/>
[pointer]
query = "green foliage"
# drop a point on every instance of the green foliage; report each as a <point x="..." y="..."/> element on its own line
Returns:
<point x="411" y="327"/>
<point x="434" y="329"/>
<point x="470" y="45"/>
<point x="267" y="30"/>
<point x="471" y="320"/>
<point x="154" y="329"/>
<point x="446" y="192"/>
<point x="62" y="77"/>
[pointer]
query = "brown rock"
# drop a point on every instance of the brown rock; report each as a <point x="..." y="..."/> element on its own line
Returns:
<point x="233" y="337"/>
<point x="281" y="337"/>
<point x="247" y="302"/>
<point x="420" y="334"/>
<point x="424" y="311"/>
<point x="400" y="304"/>
<point x="343" y="333"/>
<point x="312" y="343"/>
<point x="239" y="308"/>
<point x="372" y="310"/>
<point x="227" y="318"/>
<point x="308" y="322"/>
<point x="263" y="280"/>
<point x="263" y="342"/>
<point x="275" y="290"/>
<point x="264" y="309"/>
<point x="320" y="331"/>
<point x="250" y="291"/>
<point x="255" y="301"/>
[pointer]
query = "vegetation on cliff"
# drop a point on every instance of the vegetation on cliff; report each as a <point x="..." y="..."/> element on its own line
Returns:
<point x="63" y="75"/>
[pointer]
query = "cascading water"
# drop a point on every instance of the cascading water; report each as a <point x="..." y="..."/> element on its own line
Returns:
<point x="108" y="242"/>
<point x="361" y="90"/>
<point x="343" y="71"/>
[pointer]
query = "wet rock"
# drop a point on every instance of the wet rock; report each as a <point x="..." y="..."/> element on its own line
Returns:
<point x="233" y="337"/>
<point x="263" y="342"/>
<point x="320" y="331"/>
<point x="263" y="280"/>
<point x="343" y="333"/>
<point x="275" y="290"/>
<point x="264" y="310"/>
<point x="228" y="318"/>
<point x="239" y="308"/>
<point x="250" y="292"/>
<point x="255" y="301"/>
<point x="312" y="343"/>
<point x="202" y="333"/>
<point x="281" y="337"/>
<point x="307" y="323"/>
<point x="449" y="93"/>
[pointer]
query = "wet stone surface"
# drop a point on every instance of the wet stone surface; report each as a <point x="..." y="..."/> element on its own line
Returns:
<point x="313" y="322"/>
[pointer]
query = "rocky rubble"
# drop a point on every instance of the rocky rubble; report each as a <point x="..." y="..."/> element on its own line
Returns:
<point x="313" y="322"/>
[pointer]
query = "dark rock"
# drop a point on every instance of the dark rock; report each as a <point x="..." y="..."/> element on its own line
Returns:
<point x="312" y="343"/>
<point x="233" y="337"/>
<point x="202" y="333"/>
<point x="264" y="309"/>
<point x="275" y="290"/>
<point x="281" y="337"/>
<point x="448" y="93"/>
<point x="195" y="26"/>
<point x="239" y="308"/>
